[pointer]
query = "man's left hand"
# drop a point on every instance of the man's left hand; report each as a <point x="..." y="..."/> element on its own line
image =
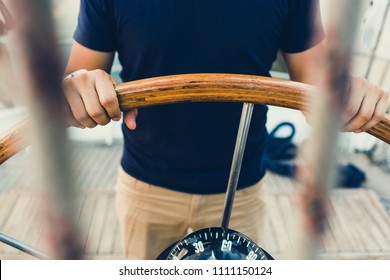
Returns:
<point x="366" y="106"/>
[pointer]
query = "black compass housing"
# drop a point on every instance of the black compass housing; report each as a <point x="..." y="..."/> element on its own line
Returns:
<point x="215" y="243"/>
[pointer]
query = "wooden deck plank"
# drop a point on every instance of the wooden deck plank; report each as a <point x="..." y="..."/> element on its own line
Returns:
<point x="97" y="225"/>
<point x="38" y="236"/>
<point x="105" y="161"/>
<point x="360" y="227"/>
<point x="42" y="238"/>
<point x="27" y="221"/>
<point x="79" y="162"/>
<point x="329" y="242"/>
<point x="7" y="203"/>
<point x="110" y="173"/>
<point x="354" y="215"/>
<point x="118" y="249"/>
<point x="79" y="204"/>
<point x="103" y="239"/>
<point x="109" y="231"/>
<point x="108" y="169"/>
<point x="347" y="239"/>
<point x="289" y="218"/>
<point x="85" y="175"/>
<point x="381" y="231"/>
<point x="94" y="182"/>
<point x="283" y="243"/>
<point x="370" y="233"/>
<point x="15" y="223"/>
<point x="381" y="217"/>
<point x="86" y="217"/>
<point x="36" y="227"/>
<point x="118" y="242"/>
<point x="34" y="223"/>
<point x="268" y="239"/>
<point x="377" y="233"/>
<point x="347" y="221"/>
<point x="343" y="219"/>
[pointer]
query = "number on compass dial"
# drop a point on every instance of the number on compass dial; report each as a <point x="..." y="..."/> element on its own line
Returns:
<point x="216" y="244"/>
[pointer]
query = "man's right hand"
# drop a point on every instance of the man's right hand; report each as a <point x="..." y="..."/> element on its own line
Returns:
<point x="92" y="101"/>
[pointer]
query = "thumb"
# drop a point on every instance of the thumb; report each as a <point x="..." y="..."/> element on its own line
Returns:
<point x="129" y="119"/>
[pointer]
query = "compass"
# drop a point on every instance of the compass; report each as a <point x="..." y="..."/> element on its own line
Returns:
<point x="222" y="243"/>
<point x="215" y="243"/>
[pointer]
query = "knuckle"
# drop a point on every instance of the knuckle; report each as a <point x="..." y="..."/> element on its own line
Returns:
<point x="107" y="101"/>
<point x="79" y="81"/>
<point x="349" y="128"/>
<point x="71" y="86"/>
<point x="350" y="111"/>
<point x="81" y="118"/>
<point x="71" y="121"/>
<point x="361" y="82"/>
<point x="365" y="115"/>
<point x="99" y="116"/>
<point x="385" y="95"/>
<point x="91" y="125"/>
<point x="81" y="77"/>
<point x="376" y="90"/>
<point x="104" y="121"/>
<point x="377" y="117"/>
<point x="99" y="73"/>
<point x="95" y="114"/>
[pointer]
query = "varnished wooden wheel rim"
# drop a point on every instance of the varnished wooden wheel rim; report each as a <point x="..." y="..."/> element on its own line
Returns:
<point x="200" y="88"/>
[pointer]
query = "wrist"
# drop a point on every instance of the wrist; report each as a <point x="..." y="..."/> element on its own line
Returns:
<point x="74" y="74"/>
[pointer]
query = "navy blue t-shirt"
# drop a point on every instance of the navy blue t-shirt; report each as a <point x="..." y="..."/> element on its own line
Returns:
<point x="189" y="147"/>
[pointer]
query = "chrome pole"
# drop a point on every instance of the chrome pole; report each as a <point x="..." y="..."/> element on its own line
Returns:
<point x="23" y="247"/>
<point x="246" y="116"/>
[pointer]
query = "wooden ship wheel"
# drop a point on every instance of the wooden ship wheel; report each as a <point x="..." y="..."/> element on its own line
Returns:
<point x="39" y="60"/>
<point x="204" y="88"/>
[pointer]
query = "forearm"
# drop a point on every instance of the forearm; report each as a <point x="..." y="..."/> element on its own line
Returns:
<point x="83" y="58"/>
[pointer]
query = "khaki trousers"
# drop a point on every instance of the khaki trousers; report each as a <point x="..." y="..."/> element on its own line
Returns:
<point x="152" y="218"/>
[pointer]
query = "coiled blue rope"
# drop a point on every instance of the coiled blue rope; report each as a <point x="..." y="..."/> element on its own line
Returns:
<point x="280" y="153"/>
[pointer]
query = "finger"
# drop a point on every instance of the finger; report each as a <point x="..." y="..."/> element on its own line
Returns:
<point x="379" y="113"/>
<point x="84" y="83"/>
<point x="107" y="95"/>
<point x="86" y="90"/>
<point x="363" y="116"/>
<point x="130" y="119"/>
<point x="79" y="112"/>
<point x="92" y="105"/>
<point x="366" y="110"/>
<point x="356" y="95"/>
<point x="69" y="119"/>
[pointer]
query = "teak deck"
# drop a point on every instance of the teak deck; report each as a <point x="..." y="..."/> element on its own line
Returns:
<point x="358" y="228"/>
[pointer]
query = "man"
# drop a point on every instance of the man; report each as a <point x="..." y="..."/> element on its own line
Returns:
<point x="176" y="159"/>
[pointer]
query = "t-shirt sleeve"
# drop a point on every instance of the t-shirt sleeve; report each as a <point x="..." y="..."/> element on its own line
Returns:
<point x="96" y="26"/>
<point x="304" y="27"/>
